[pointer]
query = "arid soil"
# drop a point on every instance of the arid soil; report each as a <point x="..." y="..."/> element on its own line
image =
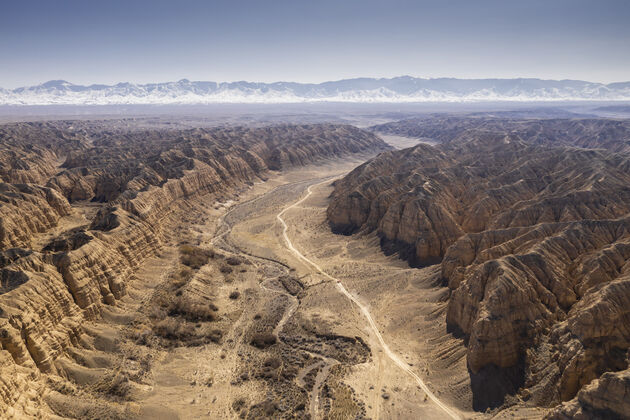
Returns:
<point x="116" y="302"/>
<point x="155" y="271"/>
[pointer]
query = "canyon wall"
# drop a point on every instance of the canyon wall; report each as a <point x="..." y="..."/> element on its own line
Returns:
<point x="83" y="204"/>
<point x="533" y="238"/>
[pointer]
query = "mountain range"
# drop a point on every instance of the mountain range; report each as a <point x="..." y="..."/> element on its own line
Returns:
<point x="359" y="90"/>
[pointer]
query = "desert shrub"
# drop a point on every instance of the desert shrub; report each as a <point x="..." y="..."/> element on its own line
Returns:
<point x="193" y="311"/>
<point x="226" y="269"/>
<point x="233" y="261"/>
<point x="145" y="364"/>
<point x="238" y="404"/>
<point x="142" y="336"/>
<point x="114" y="385"/>
<point x="270" y="369"/>
<point x="272" y="363"/>
<point x="120" y="386"/>
<point x="215" y="335"/>
<point x="194" y="257"/>
<point x="269" y="408"/>
<point x="179" y="331"/>
<point x="235" y="295"/>
<point x="157" y="312"/>
<point x="173" y="329"/>
<point x="263" y="340"/>
<point x="181" y="277"/>
<point x="292" y="284"/>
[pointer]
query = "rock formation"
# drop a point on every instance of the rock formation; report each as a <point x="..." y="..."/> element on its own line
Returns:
<point x="604" y="398"/>
<point x="82" y="204"/>
<point x="613" y="135"/>
<point x="530" y="223"/>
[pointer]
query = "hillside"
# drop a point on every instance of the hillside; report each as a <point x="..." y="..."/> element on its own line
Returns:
<point x="86" y="208"/>
<point x="529" y="224"/>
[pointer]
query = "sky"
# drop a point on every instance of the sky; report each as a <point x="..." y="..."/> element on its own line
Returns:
<point x="110" y="41"/>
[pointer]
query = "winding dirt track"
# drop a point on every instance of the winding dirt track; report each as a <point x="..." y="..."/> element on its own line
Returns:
<point x="220" y="240"/>
<point x="448" y="410"/>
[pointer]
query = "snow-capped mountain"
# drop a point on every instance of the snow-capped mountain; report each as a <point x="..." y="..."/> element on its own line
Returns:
<point x="361" y="90"/>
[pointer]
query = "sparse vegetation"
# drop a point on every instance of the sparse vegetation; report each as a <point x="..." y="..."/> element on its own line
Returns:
<point x="178" y="330"/>
<point x="233" y="261"/>
<point x="173" y="329"/>
<point x="266" y="408"/>
<point x="235" y="295"/>
<point x="263" y="340"/>
<point x="177" y="316"/>
<point x="194" y="256"/>
<point x="292" y="284"/>
<point x="193" y="311"/>
<point x="238" y="404"/>
<point x="115" y="385"/>
<point x="181" y="277"/>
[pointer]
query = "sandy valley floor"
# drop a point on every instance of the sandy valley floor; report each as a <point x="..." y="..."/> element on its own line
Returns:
<point x="325" y="346"/>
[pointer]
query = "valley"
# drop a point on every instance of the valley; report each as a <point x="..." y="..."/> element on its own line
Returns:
<point x="456" y="267"/>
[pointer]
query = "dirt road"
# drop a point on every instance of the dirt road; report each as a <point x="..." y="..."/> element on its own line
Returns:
<point x="401" y="364"/>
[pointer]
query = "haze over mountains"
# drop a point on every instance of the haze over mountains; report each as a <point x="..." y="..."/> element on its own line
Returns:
<point x="360" y="90"/>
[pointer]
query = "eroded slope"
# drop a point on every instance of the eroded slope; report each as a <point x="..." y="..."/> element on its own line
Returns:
<point x="533" y="241"/>
<point x="84" y="204"/>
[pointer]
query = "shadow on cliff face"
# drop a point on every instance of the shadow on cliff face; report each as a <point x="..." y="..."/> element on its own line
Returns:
<point x="69" y="241"/>
<point x="406" y="252"/>
<point x="343" y="229"/>
<point x="106" y="219"/>
<point x="492" y="384"/>
<point x="11" y="279"/>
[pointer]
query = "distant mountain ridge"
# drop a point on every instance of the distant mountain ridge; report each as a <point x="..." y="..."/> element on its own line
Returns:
<point x="360" y="90"/>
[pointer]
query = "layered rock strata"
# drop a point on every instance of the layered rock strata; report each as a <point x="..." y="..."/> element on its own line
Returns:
<point x="123" y="185"/>
<point x="598" y="133"/>
<point x="533" y="241"/>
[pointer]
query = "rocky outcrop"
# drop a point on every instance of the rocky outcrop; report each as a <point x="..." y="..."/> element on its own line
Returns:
<point x="604" y="398"/>
<point x="563" y="287"/>
<point x="27" y="209"/>
<point x="39" y="317"/>
<point x="123" y="163"/>
<point x="426" y="197"/>
<point x="533" y="242"/>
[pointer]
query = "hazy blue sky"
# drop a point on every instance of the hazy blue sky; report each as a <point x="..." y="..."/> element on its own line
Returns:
<point x="267" y="40"/>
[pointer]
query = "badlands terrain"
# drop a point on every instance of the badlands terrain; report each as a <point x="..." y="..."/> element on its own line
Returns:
<point x="468" y="266"/>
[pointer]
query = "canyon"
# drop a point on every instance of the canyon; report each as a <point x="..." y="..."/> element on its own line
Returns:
<point x="440" y="266"/>
<point x="85" y="205"/>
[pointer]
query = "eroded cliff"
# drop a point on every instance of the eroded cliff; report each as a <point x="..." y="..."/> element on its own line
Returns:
<point x="83" y="204"/>
<point x="531" y="229"/>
